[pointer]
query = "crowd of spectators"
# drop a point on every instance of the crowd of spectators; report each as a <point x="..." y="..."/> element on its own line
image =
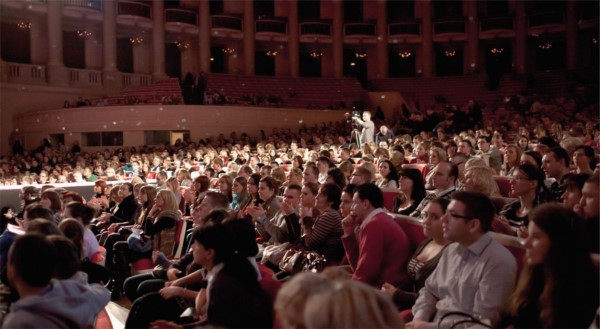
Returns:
<point x="316" y="190"/>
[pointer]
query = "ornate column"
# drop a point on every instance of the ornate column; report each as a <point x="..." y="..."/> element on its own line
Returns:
<point x="427" y="38"/>
<point x="249" y="37"/>
<point x="571" y="35"/>
<point x="472" y="63"/>
<point x="382" y="40"/>
<point x="204" y="35"/>
<point x="158" y="40"/>
<point x="57" y="74"/>
<point x="109" y="35"/>
<point x="520" y="48"/>
<point x="294" y="39"/>
<point x="338" y="39"/>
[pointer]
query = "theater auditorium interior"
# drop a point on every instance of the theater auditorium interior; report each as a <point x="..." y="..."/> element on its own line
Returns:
<point x="301" y="105"/>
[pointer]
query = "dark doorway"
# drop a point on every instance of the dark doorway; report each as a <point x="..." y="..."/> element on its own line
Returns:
<point x="355" y="66"/>
<point x="124" y="55"/>
<point x="15" y="46"/>
<point x="73" y="50"/>
<point x="310" y="63"/>
<point x="401" y="63"/>
<point x="400" y="10"/>
<point x="173" y="60"/>
<point x="448" y="61"/>
<point x="264" y="64"/>
<point x="217" y="60"/>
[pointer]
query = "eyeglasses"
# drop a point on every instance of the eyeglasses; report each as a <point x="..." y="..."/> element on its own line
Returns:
<point x="453" y="215"/>
<point x="520" y="178"/>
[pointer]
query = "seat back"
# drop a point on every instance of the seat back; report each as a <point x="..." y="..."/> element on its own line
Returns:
<point x="180" y="238"/>
<point x="503" y="185"/>
<point x="389" y="195"/>
<point x="515" y="245"/>
<point x="413" y="227"/>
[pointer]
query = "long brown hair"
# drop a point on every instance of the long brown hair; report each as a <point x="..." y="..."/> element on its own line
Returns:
<point x="559" y="284"/>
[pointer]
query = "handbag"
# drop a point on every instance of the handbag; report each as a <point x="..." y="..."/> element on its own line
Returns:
<point x="315" y="262"/>
<point x="293" y="261"/>
<point x="275" y="253"/>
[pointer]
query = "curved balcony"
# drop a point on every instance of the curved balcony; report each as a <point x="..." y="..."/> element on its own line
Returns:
<point x="549" y="18"/>
<point x="226" y="22"/>
<point x="359" y="29"/>
<point x="404" y="28"/>
<point x="185" y="16"/>
<point x="315" y="28"/>
<point x="89" y="4"/>
<point x="138" y="9"/>
<point x="271" y="25"/>
<point x="454" y="26"/>
<point x="496" y="24"/>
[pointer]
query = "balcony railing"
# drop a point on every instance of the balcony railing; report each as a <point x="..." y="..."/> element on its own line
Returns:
<point x="273" y="25"/>
<point x="549" y="18"/>
<point x="91" y="4"/>
<point x="413" y="28"/>
<point x="496" y="23"/>
<point x="359" y="29"/>
<point x="181" y="16"/>
<point x="26" y="73"/>
<point x="449" y="27"/>
<point x="130" y="80"/>
<point x="134" y="9"/>
<point x="226" y="22"/>
<point x="315" y="28"/>
<point x="85" y="78"/>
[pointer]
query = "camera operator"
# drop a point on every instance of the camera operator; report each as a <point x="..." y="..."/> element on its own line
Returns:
<point x="368" y="127"/>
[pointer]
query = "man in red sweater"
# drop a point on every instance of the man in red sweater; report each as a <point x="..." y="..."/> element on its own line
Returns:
<point x="376" y="247"/>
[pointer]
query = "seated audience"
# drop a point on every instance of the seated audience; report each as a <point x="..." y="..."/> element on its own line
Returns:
<point x="475" y="274"/>
<point x="412" y="191"/>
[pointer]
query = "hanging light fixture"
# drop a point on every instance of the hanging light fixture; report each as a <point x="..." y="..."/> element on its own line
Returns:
<point x="83" y="34"/>
<point x="360" y="54"/>
<point x="228" y="50"/>
<point x="316" y="54"/>
<point x="545" y="45"/>
<point x="24" y="25"/>
<point x="182" y="45"/>
<point x="136" y="41"/>
<point x="405" y="53"/>
<point x="450" y="52"/>
<point x="497" y="50"/>
<point x="272" y="53"/>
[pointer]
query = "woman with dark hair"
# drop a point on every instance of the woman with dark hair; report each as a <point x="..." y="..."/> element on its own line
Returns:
<point x="584" y="159"/>
<point x="52" y="200"/>
<point x="8" y="214"/>
<point x="225" y="185"/>
<point x="412" y="191"/>
<point x="527" y="184"/>
<point x="531" y="157"/>
<point x="200" y="186"/>
<point x="323" y="233"/>
<point x="336" y="176"/>
<point x="558" y="286"/>
<point x="389" y="175"/>
<point x="298" y="162"/>
<point x="425" y="259"/>
<point x="252" y="186"/>
<point x="267" y="192"/>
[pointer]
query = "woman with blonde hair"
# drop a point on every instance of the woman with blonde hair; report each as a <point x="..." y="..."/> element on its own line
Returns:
<point x="350" y="304"/>
<point x="481" y="179"/>
<point x="436" y="155"/>
<point x="291" y="299"/>
<point x="159" y="235"/>
<point x="173" y="186"/>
